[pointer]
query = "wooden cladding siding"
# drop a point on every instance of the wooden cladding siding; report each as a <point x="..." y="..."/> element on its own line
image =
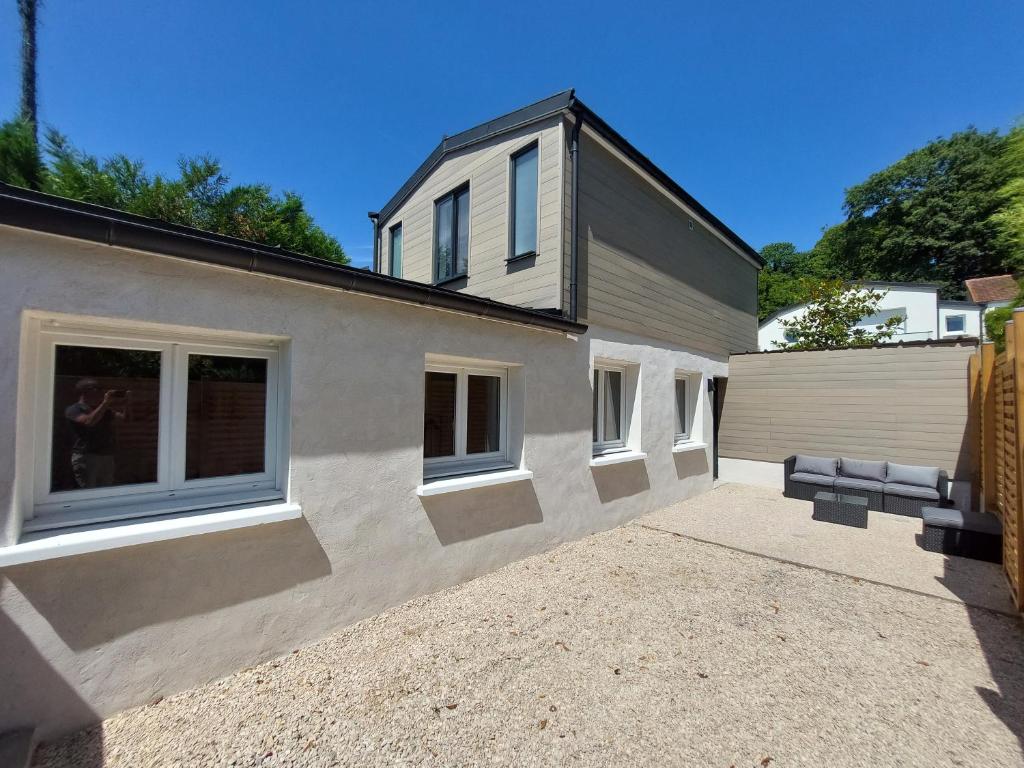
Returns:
<point x="644" y="270"/>
<point x="533" y="282"/>
<point x="903" y="404"/>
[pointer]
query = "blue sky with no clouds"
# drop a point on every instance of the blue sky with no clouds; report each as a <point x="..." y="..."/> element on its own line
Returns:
<point x="764" y="112"/>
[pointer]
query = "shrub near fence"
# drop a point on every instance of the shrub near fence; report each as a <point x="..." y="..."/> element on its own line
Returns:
<point x="998" y="387"/>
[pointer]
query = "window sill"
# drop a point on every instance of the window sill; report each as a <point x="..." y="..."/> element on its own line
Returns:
<point x="48" y="545"/>
<point x="620" y="457"/>
<point x="684" y="447"/>
<point x="467" y="482"/>
<point x="450" y="280"/>
<point x="521" y="257"/>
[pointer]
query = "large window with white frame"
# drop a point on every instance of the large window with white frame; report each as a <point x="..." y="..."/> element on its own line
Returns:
<point x="131" y="423"/>
<point x="609" y="411"/>
<point x="465" y="420"/>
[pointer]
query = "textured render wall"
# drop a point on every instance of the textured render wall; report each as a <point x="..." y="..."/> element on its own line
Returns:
<point x="903" y="404"/>
<point x="85" y="636"/>
<point x="532" y="282"/>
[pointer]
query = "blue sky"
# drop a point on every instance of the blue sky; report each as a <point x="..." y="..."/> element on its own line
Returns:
<point x="764" y="112"/>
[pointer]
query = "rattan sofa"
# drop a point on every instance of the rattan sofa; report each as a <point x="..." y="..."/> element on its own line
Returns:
<point x="900" y="489"/>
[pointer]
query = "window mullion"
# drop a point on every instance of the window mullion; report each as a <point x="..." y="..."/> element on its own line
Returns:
<point x="177" y="415"/>
<point x="461" y="416"/>
<point x="600" y="406"/>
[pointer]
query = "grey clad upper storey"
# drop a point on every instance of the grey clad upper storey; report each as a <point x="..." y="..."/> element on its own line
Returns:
<point x="586" y="227"/>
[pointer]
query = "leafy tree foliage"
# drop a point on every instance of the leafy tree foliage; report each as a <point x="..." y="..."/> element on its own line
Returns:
<point x="788" y="276"/>
<point x="1009" y="219"/>
<point x="834" y="310"/>
<point x="200" y="195"/>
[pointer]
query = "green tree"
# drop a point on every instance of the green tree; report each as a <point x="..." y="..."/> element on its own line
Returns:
<point x="1009" y="219"/>
<point x="20" y="160"/>
<point x="787" y="276"/>
<point x="29" y="108"/>
<point x="834" y="310"/>
<point x="996" y="320"/>
<point x="928" y="217"/>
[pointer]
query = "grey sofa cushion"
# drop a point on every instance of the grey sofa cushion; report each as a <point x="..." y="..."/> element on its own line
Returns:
<point x="816" y="465"/>
<point x="825" y="481"/>
<point x="905" y="474"/>
<point x="864" y="470"/>
<point x="947" y="517"/>
<point x="857" y="484"/>
<point x="911" y="491"/>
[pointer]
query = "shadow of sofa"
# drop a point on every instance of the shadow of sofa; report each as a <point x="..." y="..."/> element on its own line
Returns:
<point x="900" y="489"/>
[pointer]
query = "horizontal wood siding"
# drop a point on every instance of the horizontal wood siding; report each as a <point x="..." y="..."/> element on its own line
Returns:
<point x="644" y="270"/>
<point x="486" y="167"/>
<point x="904" y="404"/>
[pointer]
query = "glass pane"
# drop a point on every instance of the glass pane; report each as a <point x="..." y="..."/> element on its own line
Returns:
<point x="225" y="428"/>
<point x="444" y="265"/>
<point x="612" y="404"/>
<point x="462" y="251"/>
<point x="396" y="252"/>
<point x="439" y="415"/>
<point x="525" y="204"/>
<point x="597" y="400"/>
<point x="681" y="407"/>
<point x="483" y="415"/>
<point x="106" y="417"/>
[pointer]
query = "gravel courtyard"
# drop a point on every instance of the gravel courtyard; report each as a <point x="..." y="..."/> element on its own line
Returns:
<point x="637" y="646"/>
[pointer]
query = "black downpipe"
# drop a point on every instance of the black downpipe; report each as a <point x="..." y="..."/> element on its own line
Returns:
<point x="574" y="220"/>
<point x="375" y="218"/>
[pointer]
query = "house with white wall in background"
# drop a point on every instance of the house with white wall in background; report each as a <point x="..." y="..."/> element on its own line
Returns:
<point x="992" y="292"/>
<point x="925" y="315"/>
<point x="221" y="451"/>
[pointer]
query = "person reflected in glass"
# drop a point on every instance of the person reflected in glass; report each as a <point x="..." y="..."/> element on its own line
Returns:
<point x="92" y="420"/>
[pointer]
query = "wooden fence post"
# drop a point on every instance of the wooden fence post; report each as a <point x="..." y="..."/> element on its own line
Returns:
<point x="987" y="426"/>
<point x="1015" y="355"/>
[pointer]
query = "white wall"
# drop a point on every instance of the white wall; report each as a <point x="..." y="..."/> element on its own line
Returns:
<point x="85" y="636"/>
<point x="972" y="321"/>
<point x="916" y="305"/>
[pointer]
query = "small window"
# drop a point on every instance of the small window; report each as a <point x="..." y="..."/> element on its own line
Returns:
<point x="464" y="420"/>
<point x="956" y="323"/>
<point x="683" y="418"/>
<point x="136" y="423"/>
<point x="609" y="422"/>
<point x="395" y="251"/>
<point x="451" y="235"/>
<point x="524" y="202"/>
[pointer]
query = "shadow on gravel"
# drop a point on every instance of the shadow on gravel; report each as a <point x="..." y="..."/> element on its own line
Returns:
<point x="1001" y="637"/>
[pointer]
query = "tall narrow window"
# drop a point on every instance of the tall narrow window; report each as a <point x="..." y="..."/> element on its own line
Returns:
<point x="464" y="420"/>
<point x="451" y="235"/>
<point x="395" y="251"/>
<point x="524" y="202"/>
<point x="682" y="432"/>
<point x="609" y="410"/>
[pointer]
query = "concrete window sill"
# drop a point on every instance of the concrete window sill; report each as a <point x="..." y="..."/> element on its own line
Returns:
<point x="48" y="545"/>
<point x="617" y="458"/>
<point x="482" y="480"/>
<point x="684" y="447"/>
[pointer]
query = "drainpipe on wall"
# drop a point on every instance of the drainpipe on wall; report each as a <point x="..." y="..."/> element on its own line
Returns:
<point x="574" y="222"/>
<point x="375" y="218"/>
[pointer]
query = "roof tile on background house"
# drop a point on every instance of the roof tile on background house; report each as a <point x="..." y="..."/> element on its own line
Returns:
<point x="996" y="288"/>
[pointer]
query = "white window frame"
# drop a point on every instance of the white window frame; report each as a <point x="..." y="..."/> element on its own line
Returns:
<point x="963" y="321"/>
<point x="600" y="445"/>
<point x="171" y="492"/>
<point x="461" y="462"/>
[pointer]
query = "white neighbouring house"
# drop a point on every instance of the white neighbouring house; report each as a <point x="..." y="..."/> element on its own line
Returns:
<point x="925" y="315"/>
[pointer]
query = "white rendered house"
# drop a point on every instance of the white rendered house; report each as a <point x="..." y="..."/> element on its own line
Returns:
<point x="925" y="315"/>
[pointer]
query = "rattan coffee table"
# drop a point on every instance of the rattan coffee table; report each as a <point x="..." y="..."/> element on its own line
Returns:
<point x="841" y="508"/>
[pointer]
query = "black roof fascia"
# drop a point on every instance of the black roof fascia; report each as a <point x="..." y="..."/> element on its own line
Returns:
<point x="40" y="212"/>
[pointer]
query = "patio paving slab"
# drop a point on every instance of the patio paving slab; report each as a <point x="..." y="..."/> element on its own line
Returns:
<point x="634" y="646"/>
<point x="762" y="521"/>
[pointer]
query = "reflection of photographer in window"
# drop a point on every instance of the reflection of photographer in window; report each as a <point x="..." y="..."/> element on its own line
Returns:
<point x="92" y="421"/>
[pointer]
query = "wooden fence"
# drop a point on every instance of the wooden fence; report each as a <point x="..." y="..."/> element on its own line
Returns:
<point x="997" y="386"/>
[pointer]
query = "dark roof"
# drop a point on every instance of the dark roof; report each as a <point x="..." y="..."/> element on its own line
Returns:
<point x="995" y="288"/>
<point x="958" y="303"/>
<point x="39" y="212"/>
<point x="867" y="283"/>
<point x="563" y="102"/>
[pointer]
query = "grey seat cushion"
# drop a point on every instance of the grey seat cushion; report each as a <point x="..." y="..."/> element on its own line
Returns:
<point x="816" y="465"/>
<point x="911" y="491"/>
<point x="862" y="470"/>
<point x="825" y="481"/>
<point x="905" y="474"/>
<point x="947" y="517"/>
<point x="857" y="484"/>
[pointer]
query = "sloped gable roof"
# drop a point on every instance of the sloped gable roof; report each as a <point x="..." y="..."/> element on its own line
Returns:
<point x="995" y="288"/>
